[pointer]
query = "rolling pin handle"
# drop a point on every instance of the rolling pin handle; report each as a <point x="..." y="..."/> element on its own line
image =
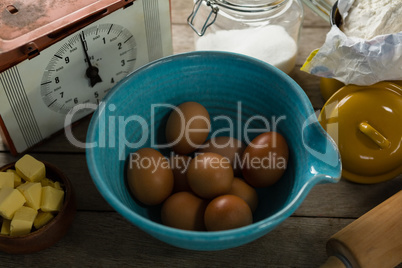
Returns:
<point x="336" y="262"/>
<point x="373" y="240"/>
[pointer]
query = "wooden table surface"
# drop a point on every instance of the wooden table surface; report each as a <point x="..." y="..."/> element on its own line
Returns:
<point x="101" y="237"/>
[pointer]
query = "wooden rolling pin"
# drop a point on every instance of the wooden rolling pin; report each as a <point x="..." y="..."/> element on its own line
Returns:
<point x="373" y="240"/>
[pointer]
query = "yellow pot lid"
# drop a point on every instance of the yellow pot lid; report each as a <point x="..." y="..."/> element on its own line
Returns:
<point x="366" y="124"/>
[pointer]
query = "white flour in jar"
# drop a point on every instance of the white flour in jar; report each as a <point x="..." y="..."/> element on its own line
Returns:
<point x="271" y="44"/>
<point x="369" y="18"/>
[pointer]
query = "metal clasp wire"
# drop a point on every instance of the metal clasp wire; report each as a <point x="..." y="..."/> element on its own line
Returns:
<point x="214" y="11"/>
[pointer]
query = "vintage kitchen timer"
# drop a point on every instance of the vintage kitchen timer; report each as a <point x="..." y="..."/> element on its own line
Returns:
<point x="55" y="55"/>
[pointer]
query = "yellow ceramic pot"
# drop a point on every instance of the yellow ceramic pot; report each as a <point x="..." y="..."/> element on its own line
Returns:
<point x="328" y="86"/>
<point x="366" y="123"/>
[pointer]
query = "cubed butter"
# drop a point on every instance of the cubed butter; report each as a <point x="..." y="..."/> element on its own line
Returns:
<point x="17" y="178"/>
<point x="10" y="201"/>
<point x="6" y="180"/>
<point x="32" y="192"/>
<point x="49" y="182"/>
<point x="52" y="199"/>
<point x="42" y="218"/>
<point x="22" y="222"/>
<point x="30" y="169"/>
<point x="57" y="185"/>
<point x="5" y="227"/>
<point x="46" y="182"/>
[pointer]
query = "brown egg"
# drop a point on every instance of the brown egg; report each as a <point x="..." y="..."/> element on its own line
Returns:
<point x="184" y="210"/>
<point x="241" y="189"/>
<point x="265" y="159"/>
<point x="227" y="212"/>
<point x="179" y="165"/>
<point x="210" y="175"/>
<point x="228" y="147"/>
<point x="149" y="176"/>
<point x="187" y="127"/>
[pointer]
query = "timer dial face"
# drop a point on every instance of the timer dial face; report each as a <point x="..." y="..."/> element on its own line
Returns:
<point x="87" y="66"/>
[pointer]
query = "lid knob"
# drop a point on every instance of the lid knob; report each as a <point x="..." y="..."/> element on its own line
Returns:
<point x="374" y="135"/>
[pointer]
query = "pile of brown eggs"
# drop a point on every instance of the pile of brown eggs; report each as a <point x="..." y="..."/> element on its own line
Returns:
<point x="205" y="185"/>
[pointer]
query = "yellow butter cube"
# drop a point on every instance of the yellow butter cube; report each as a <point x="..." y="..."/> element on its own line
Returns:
<point x="57" y="185"/>
<point x="46" y="182"/>
<point x="42" y="218"/>
<point x="52" y="199"/>
<point x="17" y="178"/>
<point x="30" y="169"/>
<point x="49" y="182"/>
<point x="5" y="227"/>
<point x="10" y="201"/>
<point x="6" y="180"/>
<point x="32" y="192"/>
<point x="22" y="222"/>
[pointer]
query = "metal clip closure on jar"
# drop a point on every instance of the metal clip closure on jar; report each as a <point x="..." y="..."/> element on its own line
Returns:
<point x="214" y="5"/>
<point x="208" y="22"/>
<point x="265" y="29"/>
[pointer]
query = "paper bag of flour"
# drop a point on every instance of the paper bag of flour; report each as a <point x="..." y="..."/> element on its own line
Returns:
<point x="357" y="60"/>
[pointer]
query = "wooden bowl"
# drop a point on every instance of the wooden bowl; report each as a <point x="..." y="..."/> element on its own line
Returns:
<point x="53" y="231"/>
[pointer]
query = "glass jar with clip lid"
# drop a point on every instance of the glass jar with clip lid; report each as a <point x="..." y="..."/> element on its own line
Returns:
<point x="265" y="29"/>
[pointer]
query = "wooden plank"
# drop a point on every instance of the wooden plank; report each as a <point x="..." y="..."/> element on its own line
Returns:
<point x="347" y="199"/>
<point x="310" y="39"/>
<point x="311" y="86"/>
<point x="181" y="9"/>
<point x="344" y="199"/>
<point x="183" y="38"/>
<point x="107" y="240"/>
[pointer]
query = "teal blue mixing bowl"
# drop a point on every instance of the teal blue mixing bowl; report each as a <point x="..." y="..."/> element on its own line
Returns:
<point x="240" y="93"/>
